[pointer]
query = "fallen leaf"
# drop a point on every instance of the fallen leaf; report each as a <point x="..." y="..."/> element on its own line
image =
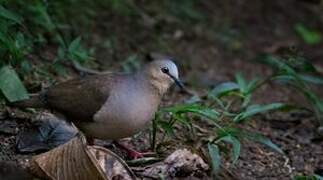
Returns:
<point x="48" y="132"/>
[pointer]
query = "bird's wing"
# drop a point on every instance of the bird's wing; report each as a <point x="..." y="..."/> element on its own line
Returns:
<point x="80" y="99"/>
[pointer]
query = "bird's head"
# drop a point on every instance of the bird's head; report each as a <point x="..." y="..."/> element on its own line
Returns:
<point x="162" y="74"/>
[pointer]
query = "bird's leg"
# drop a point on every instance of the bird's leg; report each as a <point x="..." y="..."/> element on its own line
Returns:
<point x="133" y="154"/>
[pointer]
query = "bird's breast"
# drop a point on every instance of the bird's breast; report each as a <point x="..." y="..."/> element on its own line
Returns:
<point x="133" y="108"/>
<point x="125" y="114"/>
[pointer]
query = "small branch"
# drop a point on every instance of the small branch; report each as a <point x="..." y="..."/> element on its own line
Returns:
<point x="77" y="67"/>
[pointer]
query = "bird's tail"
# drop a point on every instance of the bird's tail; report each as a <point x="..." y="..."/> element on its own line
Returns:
<point x="35" y="101"/>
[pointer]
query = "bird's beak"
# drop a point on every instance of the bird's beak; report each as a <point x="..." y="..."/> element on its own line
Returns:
<point x="180" y="85"/>
<point x="177" y="81"/>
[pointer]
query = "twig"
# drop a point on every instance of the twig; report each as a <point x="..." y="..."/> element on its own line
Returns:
<point x="142" y="161"/>
<point x="78" y="67"/>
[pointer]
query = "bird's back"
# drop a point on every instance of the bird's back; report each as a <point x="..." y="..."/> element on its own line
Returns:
<point x="80" y="99"/>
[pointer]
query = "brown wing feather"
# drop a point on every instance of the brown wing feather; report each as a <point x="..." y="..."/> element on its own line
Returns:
<point x="80" y="99"/>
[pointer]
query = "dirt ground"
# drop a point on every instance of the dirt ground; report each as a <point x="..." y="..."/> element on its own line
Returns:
<point x="213" y="50"/>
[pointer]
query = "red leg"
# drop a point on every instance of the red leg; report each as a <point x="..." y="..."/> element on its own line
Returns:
<point x="133" y="154"/>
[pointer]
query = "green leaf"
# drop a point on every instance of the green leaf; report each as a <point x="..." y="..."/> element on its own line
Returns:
<point x="236" y="146"/>
<point x="25" y="67"/>
<point x="5" y="13"/>
<point x="59" y="69"/>
<point x="254" y="84"/>
<point x="193" y="108"/>
<point x="240" y="133"/>
<point x="229" y="131"/>
<point x="318" y="177"/>
<point x="311" y="79"/>
<point x="224" y="88"/>
<point x="309" y="36"/>
<point x="181" y="119"/>
<point x="305" y="66"/>
<point x="246" y="101"/>
<point x="256" y="109"/>
<point x="242" y="83"/>
<point x="11" y="86"/>
<point x="60" y="53"/>
<point x="316" y="102"/>
<point x="303" y="178"/>
<point x="75" y="45"/>
<point x="263" y="140"/>
<point x="315" y="177"/>
<point x="39" y="10"/>
<point x="276" y="63"/>
<point x="76" y="52"/>
<point x="215" y="157"/>
<point x="247" y="88"/>
<point x="284" y="78"/>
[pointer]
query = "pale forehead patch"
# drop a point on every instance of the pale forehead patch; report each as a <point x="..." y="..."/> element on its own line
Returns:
<point x="170" y="65"/>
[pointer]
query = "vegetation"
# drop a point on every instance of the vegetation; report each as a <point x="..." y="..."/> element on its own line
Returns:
<point x="226" y="106"/>
<point x="230" y="104"/>
<point x="216" y="120"/>
<point x="28" y="28"/>
<point x="314" y="177"/>
<point x="295" y="71"/>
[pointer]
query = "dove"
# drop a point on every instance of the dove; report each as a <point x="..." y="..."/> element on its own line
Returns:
<point x="110" y="106"/>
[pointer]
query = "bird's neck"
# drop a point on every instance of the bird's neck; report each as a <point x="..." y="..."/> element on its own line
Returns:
<point x="152" y="84"/>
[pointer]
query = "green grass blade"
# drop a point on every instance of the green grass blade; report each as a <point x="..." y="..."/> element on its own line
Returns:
<point x="7" y="14"/>
<point x="224" y="88"/>
<point x="254" y="84"/>
<point x="276" y="63"/>
<point x="311" y="79"/>
<point x="236" y="146"/>
<point x="256" y="109"/>
<point x="284" y="78"/>
<point x="193" y="108"/>
<point x="242" y="83"/>
<point x="314" y="177"/>
<point x="263" y="140"/>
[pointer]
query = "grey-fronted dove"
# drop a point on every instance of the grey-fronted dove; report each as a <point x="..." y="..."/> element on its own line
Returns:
<point x="110" y="106"/>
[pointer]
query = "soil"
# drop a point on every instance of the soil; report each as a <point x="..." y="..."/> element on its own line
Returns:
<point x="209" y="51"/>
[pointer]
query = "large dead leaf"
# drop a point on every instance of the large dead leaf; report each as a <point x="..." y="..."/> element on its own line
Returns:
<point x="75" y="160"/>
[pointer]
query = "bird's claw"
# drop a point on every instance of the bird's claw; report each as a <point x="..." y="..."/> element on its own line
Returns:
<point x="135" y="154"/>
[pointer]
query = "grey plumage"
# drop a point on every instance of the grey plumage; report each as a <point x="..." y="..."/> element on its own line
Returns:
<point x="110" y="106"/>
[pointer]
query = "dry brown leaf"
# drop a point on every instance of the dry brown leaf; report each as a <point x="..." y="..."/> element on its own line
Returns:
<point x="75" y="160"/>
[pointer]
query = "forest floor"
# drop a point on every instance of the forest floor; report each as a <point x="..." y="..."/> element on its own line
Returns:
<point x="229" y="37"/>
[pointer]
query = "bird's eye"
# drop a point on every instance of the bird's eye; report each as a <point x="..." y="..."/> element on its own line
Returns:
<point x="165" y="70"/>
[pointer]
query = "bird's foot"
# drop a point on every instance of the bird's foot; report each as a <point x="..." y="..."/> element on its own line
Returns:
<point x="132" y="154"/>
